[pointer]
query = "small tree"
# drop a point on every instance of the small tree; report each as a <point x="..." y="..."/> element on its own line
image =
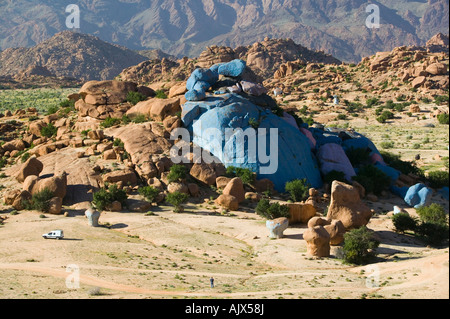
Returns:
<point x="177" y="173"/>
<point x="177" y="199"/>
<point x="246" y="175"/>
<point x="298" y="189"/>
<point x="39" y="201"/>
<point x="135" y="97"/>
<point x="105" y="196"/>
<point x="359" y="246"/>
<point x="403" y="222"/>
<point x="149" y="192"/>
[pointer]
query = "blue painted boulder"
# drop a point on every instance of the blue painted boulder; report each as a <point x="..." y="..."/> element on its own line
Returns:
<point x="277" y="227"/>
<point x="418" y="195"/>
<point x="195" y="95"/>
<point x="242" y="134"/>
<point x="233" y="68"/>
<point x="201" y="75"/>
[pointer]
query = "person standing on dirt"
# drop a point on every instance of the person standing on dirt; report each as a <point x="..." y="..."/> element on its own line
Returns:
<point x="211" y="280"/>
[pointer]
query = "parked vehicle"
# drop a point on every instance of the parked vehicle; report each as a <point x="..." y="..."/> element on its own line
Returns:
<point x="54" y="234"/>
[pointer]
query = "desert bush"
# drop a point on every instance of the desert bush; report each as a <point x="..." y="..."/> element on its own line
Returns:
<point x="49" y="131"/>
<point x="405" y="167"/>
<point x="177" y="173"/>
<point x="433" y="234"/>
<point x="358" y="156"/>
<point x="135" y="97"/>
<point x="438" y="179"/>
<point x="177" y="199"/>
<point x="387" y="144"/>
<point x="105" y="196"/>
<point x="109" y="122"/>
<point x="246" y="175"/>
<point x="52" y="110"/>
<point x="67" y="103"/>
<point x="298" y="189"/>
<point x="372" y="102"/>
<point x="149" y="192"/>
<point x="443" y="118"/>
<point x="271" y="211"/>
<point x="359" y="246"/>
<point x="434" y="214"/>
<point x="440" y="99"/>
<point x="39" y="201"/>
<point x="160" y="94"/>
<point x="403" y="222"/>
<point x="372" y="179"/>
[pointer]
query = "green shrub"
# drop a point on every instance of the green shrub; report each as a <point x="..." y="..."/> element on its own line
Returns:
<point x="149" y="192"/>
<point x="298" y="189"/>
<point x="177" y="199"/>
<point x="177" y="173"/>
<point x="246" y="175"/>
<point x="372" y="179"/>
<point x="3" y="162"/>
<point x="405" y="167"/>
<point x="387" y="144"/>
<point x="434" y="214"/>
<point x="438" y="179"/>
<point x="271" y="211"/>
<point x="67" y="103"/>
<point x="39" y="201"/>
<point x="440" y="99"/>
<point x="160" y="94"/>
<point x="403" y="222"/>
<point x="135" y="97"/>
<point x="433" y="234"/>
<point x="358" y="156"/>
<point x="49" y="131"/>
<point x="372" y="102"/>
<point x="443" y="118"/>
<point x="109" y="122"/>
<point x="334" y="176"/>
<point x="52" y="110"/>
<point x="105" y="196"/>
<point x="359" y="246"/>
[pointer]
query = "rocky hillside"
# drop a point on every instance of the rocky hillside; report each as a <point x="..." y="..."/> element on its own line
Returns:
<point x="263" y="59"/>
<point x="68" y="54"/>
<point x="186" y="27"/>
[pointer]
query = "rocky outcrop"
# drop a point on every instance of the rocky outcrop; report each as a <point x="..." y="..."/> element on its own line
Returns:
<point x="317" y="241"/>
<point x="346" y="205"/>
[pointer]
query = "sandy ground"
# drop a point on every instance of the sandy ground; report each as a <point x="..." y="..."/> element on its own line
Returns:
<point x="168" y="255"/>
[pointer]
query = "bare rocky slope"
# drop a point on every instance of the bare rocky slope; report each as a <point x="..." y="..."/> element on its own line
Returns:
<point x="69" y="54"/>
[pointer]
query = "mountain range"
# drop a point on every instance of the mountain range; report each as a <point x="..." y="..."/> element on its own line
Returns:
<point x="186" y="27"/>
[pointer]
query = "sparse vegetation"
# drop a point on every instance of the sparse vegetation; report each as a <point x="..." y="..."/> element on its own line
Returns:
<point x="177" y="199"/>
<point x="49" y="131"/>
<point x="135" y="97"/>
<point x="271" y="211"/>
<point x="246" y="175"/>
<point x="177" y="173"/>
<point x="39" y="201"/>
<point x="298" y="189"/>
<point x="372" y="179"/>
<point x="150" y="193"/>
<point x="359" y="246"/>
<point x="106" y="196"/>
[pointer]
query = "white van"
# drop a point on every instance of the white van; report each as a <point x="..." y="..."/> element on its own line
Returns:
<point x="54" y="234"/>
